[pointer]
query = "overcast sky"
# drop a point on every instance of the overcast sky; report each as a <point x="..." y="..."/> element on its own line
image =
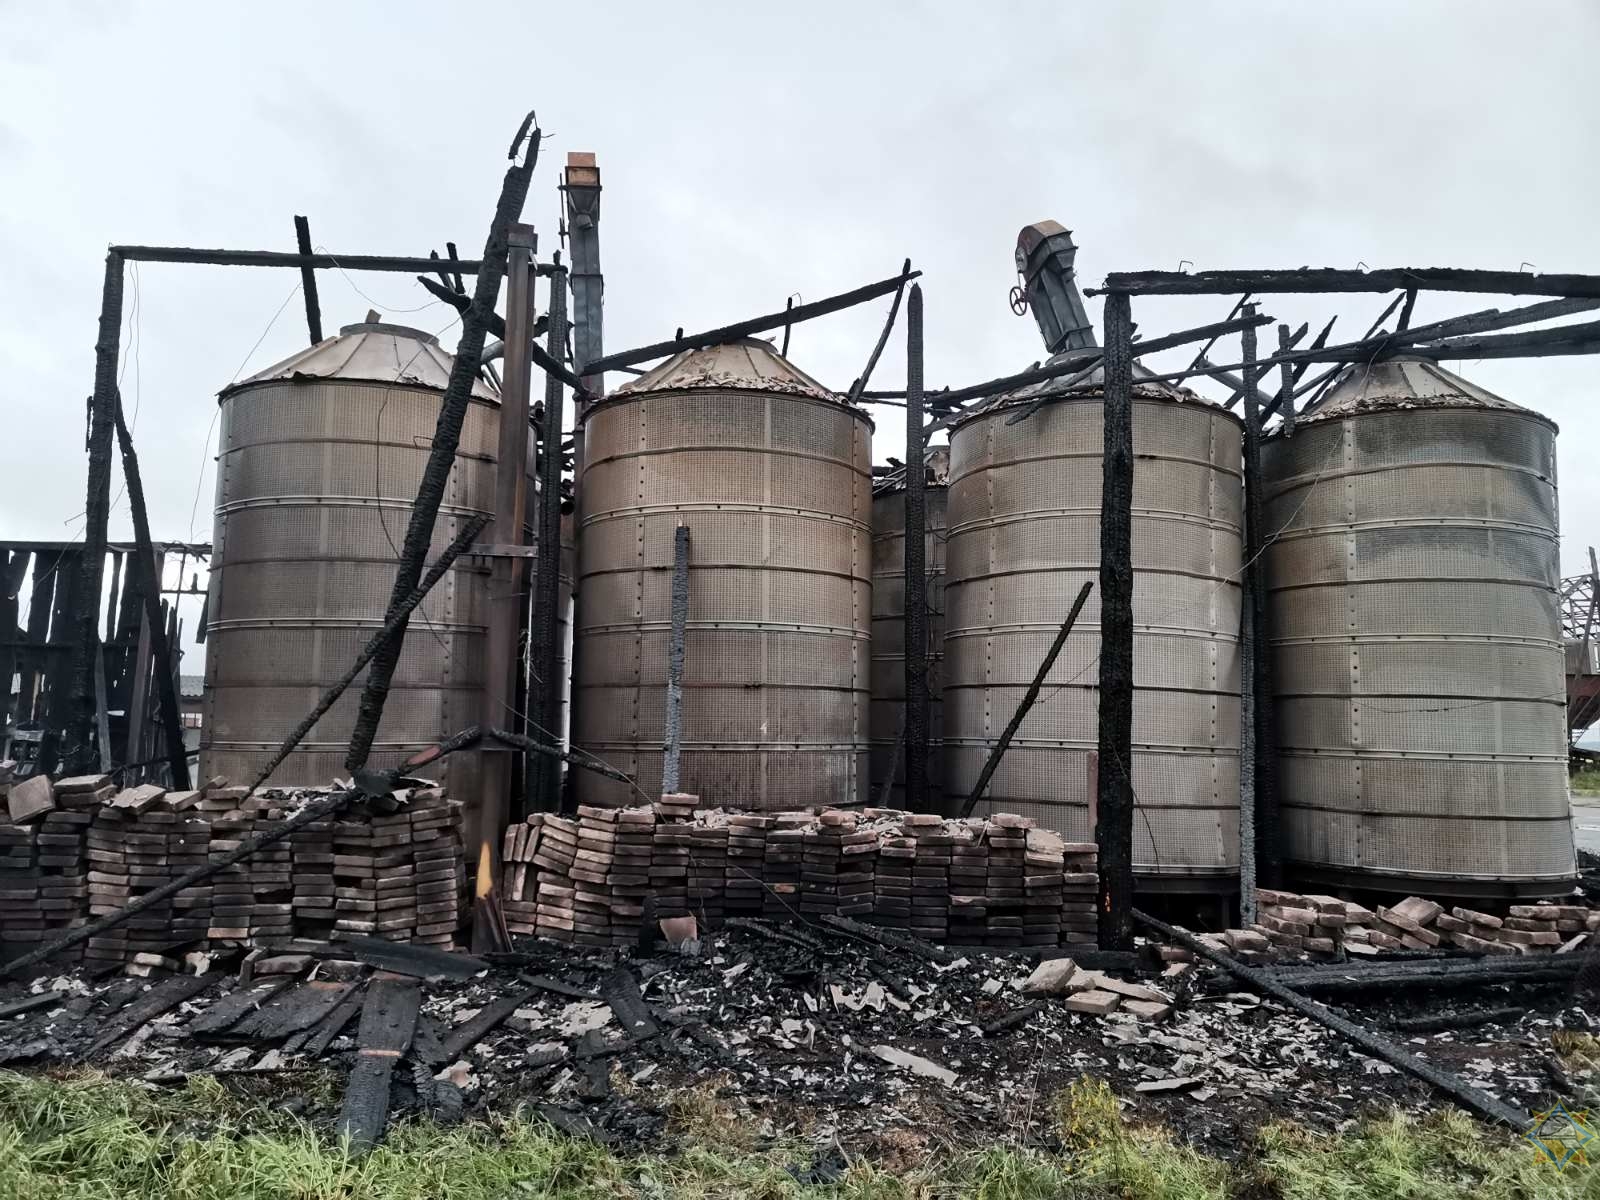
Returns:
<point x="749" y="152"/>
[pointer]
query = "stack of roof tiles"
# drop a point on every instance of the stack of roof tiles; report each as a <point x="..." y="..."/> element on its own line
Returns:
<point x="980" y="881"/>
<point x="43" y="868"/>
<point x="141" y="839"/>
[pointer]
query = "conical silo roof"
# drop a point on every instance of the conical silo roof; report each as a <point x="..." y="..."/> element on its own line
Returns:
<point x="1398" y="384"/>
<point x="747" y="364"/>
<point x="370" y="352"/>
<point x="1090" y="386"/>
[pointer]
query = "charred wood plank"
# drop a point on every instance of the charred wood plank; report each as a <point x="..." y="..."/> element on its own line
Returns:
<point x="1458" y="1089"/>
<point x="1010" y="1020"/>
<point x="729" y="333"/>
<point x="890" y="938"/>
<point x="292" y="1011"/>
<point x="315" y="1041"/>
<point x="388" y="1023"/>
<point x="27" y="1004"/>
<point x="1470" y="1019"/>
<point x="468" y="1034"/>
<point x="403" y="958"/>
<point x="234" y="1007"/>
<point x="166" y="995"/>
<point x="620" y="990"/>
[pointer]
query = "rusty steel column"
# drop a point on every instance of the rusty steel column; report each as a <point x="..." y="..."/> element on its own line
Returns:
<point x="508" y="571"/>
<point x="1114" y="824"/>
<point x="916" y="567"/>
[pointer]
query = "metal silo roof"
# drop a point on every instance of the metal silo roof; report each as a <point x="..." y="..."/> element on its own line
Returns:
<point x="748" y="364"/>
<point x="372" y="352"/>
<point x="1405" y="383"/>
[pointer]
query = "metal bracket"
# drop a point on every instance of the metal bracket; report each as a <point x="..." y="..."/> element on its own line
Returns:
<point x="492" y="550"/>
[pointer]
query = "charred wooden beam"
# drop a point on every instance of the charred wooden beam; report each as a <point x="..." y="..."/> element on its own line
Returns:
<point x="1029" y="698"/>
<point x="508" y="570"/>
<point x="1212" y="341"/>
<point x="494" y="323"/>
<point x="1453" y="1086"/>
<point x="148" y="583"/>
<point x="545" y="642"/>
<point x="1330" y="279"/>
<point x="729" y="333"/>
<point x="308" y="280"/>
<point x="915" y="565"/>
<point x="386" y="263"/>
<point x="441" y="457"/>
<point x="1563" y="339"/>
<point x="1114" y="823"/>
<point x="1268" y="854"/>
<point x="75" y="737"/>
<point x="860" y="384"/>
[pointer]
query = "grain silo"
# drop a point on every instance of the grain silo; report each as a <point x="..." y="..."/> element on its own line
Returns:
<point x="771" y="473"/>
<point x="1024" y="519"/>
<point x="1416" y="633"/>
<point x="320" y="460"/>
<point x="888" y="626"/>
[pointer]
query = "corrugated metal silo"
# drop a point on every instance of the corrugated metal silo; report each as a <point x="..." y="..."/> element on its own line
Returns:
<point x="1416" y="631"/>
<point x="772" y="475"/>
<point x="320" y="460"/>
<point x="1024" y="516"/>
<point x="888" y="626"/>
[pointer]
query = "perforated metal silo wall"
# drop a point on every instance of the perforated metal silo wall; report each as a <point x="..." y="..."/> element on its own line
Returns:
<point x="1416" y="636"/>
<point x="1024" y="516"/>
<point x="315" y="483"/>
<point x="888" y="639"/>
<point x="776" y="491"/>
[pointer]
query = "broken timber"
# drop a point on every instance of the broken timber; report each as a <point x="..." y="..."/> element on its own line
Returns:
<point x="1327" y="279"/>
<point x="992" y="763"/>
<point x="1473" y="1098"/>
<point x="729" y="333"/>
<point x="388" y="1023"/>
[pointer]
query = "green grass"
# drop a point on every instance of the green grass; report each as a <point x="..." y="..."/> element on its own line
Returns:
<point x="1586" y="781"/>
<point x="85" y="1136"/>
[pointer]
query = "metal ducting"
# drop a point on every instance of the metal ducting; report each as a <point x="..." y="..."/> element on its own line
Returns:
<point x="888" y="627"/>
<point x="321" y="457"/>
<point x="771" y="472"/>
<point x="1024" y="517"/>
<point x="1416" y="632"/>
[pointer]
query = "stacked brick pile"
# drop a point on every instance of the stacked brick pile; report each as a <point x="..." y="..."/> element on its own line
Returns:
<point x="1326" y="926"/>
<point x="43" y="865"/>
<point x="984" y="881"/>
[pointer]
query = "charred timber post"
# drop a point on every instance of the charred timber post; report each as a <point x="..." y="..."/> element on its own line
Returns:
<point x="76" y="741"/>
<point x="545" y="644"/>
<point x="1309" y="280"/>
<point x="916" y="567"/>
<point x="992" y="763"/>
<point x="672" y="738"/>
<point x="1286" y="382"/>
<point x="860" y="385"/>
<point x="308" y="280"/>
<point x="446" y="439"/>
<point x="508" y="572"/>
<point x="1114" y="823"/>
<point x="146" y="580"/>
<point x="729" y="333"/>
<point x="1268" y="852"/>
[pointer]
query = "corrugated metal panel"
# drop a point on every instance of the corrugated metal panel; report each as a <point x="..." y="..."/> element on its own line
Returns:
<point x="1416" y="628"/>
<point x="1024" y="515"/>
<point x="775" y="487"/>
<point x="888" y="636"/>
<point x="315" y="481"/>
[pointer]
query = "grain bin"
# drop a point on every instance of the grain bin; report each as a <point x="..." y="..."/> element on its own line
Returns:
<point x="888" y="626"/>
<point x="771" y="472"/>
<point x="1416" y="633"/>
<point x="320" y="460"/>
<point x="1024" y="517"/>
